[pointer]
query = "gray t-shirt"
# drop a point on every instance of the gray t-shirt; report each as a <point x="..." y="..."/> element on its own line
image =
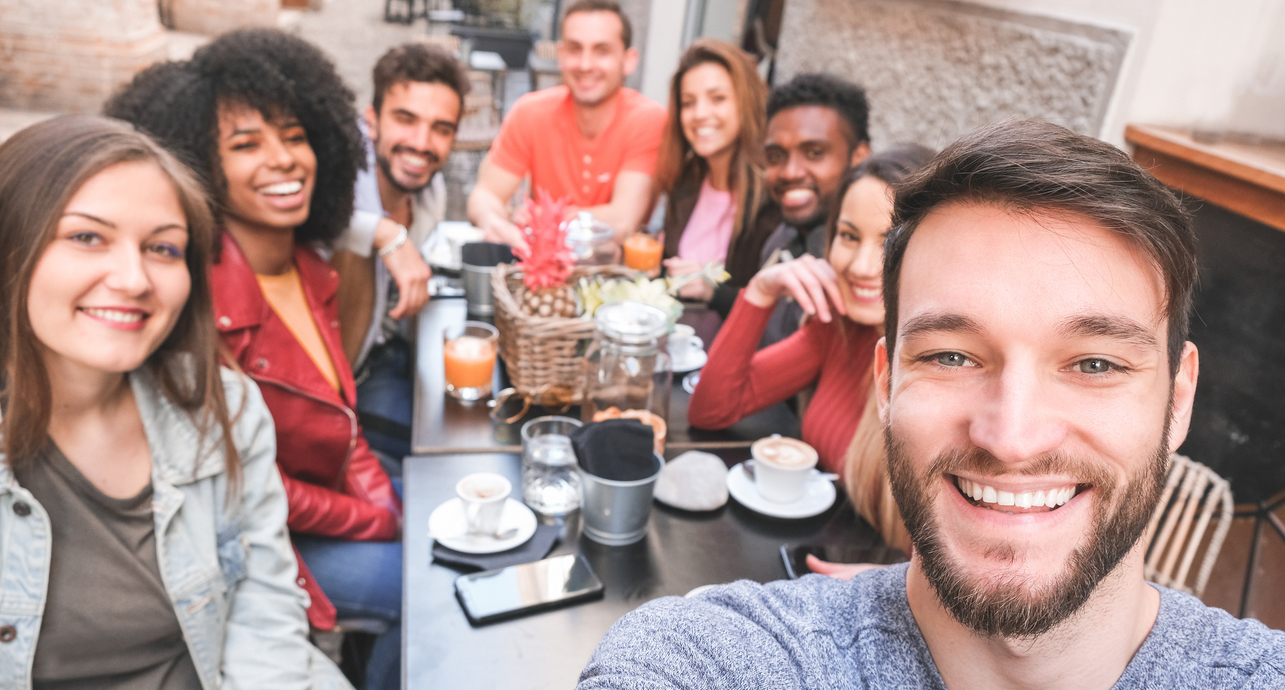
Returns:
<point x="823" y="633"/>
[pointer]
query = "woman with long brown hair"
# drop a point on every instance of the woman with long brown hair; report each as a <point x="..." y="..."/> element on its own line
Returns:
<point x="710" y="163"/>
<point x="834" y="348"/>
<point x="270" y="128"/>
<point x="142" y="518"/>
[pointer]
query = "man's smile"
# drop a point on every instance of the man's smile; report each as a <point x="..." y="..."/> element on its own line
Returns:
<point x="1044" y="500"/>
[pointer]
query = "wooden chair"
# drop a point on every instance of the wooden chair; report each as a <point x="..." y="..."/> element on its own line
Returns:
<point x="542" y="64"/>
<point x="1193" y="497"/>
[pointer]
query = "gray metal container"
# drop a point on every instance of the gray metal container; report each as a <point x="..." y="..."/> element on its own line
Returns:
<point x="478" y="262"/>
<point x="616" y="513"/>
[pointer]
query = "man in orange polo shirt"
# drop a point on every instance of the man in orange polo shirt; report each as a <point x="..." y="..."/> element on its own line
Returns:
<point x="591" y="140"/>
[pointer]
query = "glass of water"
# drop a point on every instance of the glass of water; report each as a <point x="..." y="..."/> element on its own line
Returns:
<point x="550" y="484"/>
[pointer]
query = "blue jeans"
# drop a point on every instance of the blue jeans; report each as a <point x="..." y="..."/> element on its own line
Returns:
<point x="384" y="402"/>
<point x="363" y="579"/>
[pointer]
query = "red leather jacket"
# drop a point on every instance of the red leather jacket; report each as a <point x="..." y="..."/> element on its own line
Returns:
<point x="334" y="483"/>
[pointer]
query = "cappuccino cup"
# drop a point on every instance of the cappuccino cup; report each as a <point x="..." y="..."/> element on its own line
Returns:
<point x="782" y="467"/>
<point x="683" y="343"/>
<point x="483" y="495"/>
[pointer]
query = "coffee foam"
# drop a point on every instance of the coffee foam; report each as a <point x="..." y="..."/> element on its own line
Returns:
<point x="784" y="452"/>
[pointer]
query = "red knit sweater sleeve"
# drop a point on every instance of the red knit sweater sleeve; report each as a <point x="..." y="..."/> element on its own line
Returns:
<point x="738" y="381"/>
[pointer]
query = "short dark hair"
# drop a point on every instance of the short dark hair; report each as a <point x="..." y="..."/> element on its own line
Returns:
<point x="1031" y="167"/>
<point x="626" y="29"/>
<point x="273" y="72"/>
<point x="841" y="96"/>
<point x="418" y="62"/>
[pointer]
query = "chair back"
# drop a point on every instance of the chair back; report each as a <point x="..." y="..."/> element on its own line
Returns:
<point x="1193" y="497"/>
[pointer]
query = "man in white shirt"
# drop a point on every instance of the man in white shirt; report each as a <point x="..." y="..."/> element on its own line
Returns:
<point x="399" y="200"/>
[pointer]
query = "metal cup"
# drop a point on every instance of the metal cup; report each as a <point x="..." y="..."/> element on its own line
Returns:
<point x="478" y="262"/>
<point x="615" y="512"/>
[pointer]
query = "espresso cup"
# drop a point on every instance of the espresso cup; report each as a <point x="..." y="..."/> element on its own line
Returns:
<point x="782" y="467"/>
<point x="483" y="495"/>
<point x="684" y="338"/>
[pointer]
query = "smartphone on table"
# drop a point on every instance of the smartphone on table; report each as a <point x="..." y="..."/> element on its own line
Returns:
<point x="518" y="590"/>
<point x="795" y="557"/>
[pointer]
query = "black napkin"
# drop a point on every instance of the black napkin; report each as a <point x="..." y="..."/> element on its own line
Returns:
<point x="622" y="450"/>
<point x="535" y="548"/>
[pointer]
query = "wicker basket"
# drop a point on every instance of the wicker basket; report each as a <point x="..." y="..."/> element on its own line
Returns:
<point x="544" y="355"/>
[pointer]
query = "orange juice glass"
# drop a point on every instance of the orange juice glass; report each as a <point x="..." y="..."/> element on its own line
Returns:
<point x="468" y="356"/>
<point x="642" y="252"/>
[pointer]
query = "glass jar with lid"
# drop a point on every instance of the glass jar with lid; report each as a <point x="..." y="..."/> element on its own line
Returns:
<point x="593" y="242"/>
<point x="626" y="366"/>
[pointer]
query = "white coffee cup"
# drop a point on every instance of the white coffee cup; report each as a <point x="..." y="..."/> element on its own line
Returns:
<point x="683" y="341"/>
<point x="483" y="495"/>
<point x="782" y="467"/>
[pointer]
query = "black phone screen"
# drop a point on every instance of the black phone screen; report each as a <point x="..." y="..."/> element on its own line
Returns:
<point x="517" y="590"/>
<point x="795" y="558"/>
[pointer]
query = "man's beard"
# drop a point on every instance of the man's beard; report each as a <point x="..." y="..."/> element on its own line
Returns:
<point x="387" y="167"/>
<point x="1011" y="608"/>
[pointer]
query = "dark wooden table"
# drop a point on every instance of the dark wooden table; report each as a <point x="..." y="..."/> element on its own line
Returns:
<point x="444" y="425"/>
<point x="682" y="550"/>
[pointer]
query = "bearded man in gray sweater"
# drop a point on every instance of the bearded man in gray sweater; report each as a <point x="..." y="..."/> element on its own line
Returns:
<point x="1033" y="380"/>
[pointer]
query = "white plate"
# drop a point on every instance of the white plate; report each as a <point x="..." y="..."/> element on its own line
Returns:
<point x="448" y="519"/>
<point x="818" y="495"/>
<point x="692" y="360"/>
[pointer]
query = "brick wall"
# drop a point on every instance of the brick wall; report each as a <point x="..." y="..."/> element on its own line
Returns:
<point x="213" y="17"/>
<point x="69" y="55"/>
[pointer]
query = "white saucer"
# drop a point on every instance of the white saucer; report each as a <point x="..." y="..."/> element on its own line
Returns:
<point x="448" y="518"/>
<point x="818" y="495"/>
<point x="694" y="359"/>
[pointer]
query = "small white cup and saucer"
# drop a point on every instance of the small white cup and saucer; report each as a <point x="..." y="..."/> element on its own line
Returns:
<point x="482" y="518"/>
<point x="686" y="349"/>
<point x="785" y="482"/>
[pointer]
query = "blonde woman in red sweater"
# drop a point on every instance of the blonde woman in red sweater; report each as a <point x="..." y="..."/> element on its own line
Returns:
<point x="842" y="296"/>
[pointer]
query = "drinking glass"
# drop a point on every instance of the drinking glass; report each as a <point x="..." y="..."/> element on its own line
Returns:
<point x="643" y="252"/>
<point x="468" y="355"/>
<point x="549" y="481"/>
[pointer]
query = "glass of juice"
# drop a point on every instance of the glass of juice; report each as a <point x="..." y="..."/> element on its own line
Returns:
<point x="468" y="355"/>
<point x="642" y="252"/>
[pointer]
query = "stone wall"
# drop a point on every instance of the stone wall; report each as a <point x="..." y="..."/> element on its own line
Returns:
<point x="69" y="55"/>
<point x="935" y="70"/>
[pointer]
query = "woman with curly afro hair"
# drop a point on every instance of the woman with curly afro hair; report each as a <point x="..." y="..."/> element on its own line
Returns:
<point x="270" y="129"/>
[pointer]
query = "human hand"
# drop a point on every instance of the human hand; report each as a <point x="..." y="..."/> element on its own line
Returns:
<point x="504" y="232"/>
<point x="697" y="288"/>
<point x="406" y="267"/>
<point x="411" y="274"/>
<point x="809" y="280"/>
<point x="839" y="571"/>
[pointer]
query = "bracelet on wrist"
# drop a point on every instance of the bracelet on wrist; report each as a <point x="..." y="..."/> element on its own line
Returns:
<point x="396" y="244"/>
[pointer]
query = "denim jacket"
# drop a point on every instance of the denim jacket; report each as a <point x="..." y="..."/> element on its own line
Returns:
<point x="228" y="566"/>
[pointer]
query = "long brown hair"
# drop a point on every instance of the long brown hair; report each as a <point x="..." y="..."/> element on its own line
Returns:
<point x="864" y="472"/>
<point x="41" y="169"/>
<point x="677" y="163"/>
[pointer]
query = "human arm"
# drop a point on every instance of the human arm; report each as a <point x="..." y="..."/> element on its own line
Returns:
<point x="367" y="509"/>
<point x="737" y="381"/>
<point x="631" y="199"/>
<point x="406" y="266"/>
<point x="266" y="643"/>
<point x="488" y="206"/>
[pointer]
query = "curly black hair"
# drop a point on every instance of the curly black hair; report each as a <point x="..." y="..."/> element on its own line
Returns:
<point x="274" y="73"/>
<point x="826" y="90"/>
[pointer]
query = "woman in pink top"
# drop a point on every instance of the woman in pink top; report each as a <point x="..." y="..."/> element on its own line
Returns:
<point x="710" y="163"/>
